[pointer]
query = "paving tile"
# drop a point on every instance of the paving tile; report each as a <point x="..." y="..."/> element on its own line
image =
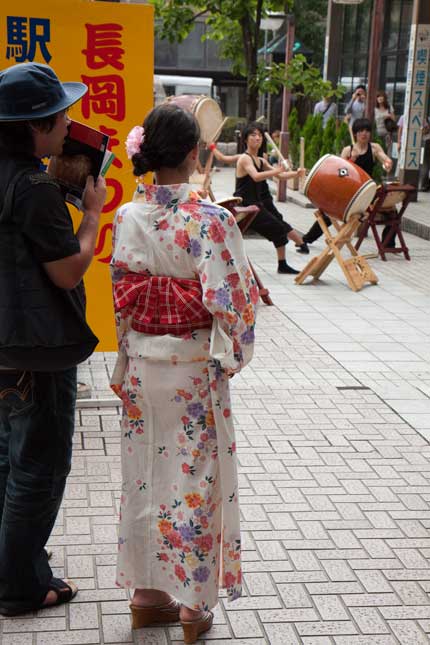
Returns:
<point x="244" y="624"/>
<point x="83" y="616"/>
<point x="408" y="632"/>
<point x="369" y="620"/>
<point x="335" y="484"/>
<point x="281" y="634"/>
<point x="71" y="637"/>
<point x="19" y="625"/>
<point x="17" y="639"/>
<point x="117" y="628"/>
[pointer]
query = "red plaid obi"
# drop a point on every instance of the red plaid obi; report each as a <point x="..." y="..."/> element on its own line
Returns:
<point x="162" y="305"/>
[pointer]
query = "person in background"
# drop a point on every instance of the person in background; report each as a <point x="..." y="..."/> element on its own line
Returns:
<point x="272" y="154"/>
<point x="400" y="124"/>
<point x="383" y="111"/>
<point x="327" y="107"/>
<point x="356" y="107"/>
<point x="185" y="299"/>
<point x="37" y="408"/>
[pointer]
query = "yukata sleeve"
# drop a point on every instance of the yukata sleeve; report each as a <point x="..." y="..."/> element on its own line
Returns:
<point x="229" y="289"/>
<point x="122" y="317"/>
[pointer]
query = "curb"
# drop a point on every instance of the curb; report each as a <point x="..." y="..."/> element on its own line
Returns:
<point x="416" y="228"/>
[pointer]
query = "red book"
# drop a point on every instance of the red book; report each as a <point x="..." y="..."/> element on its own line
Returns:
<point x="85" y="152"/>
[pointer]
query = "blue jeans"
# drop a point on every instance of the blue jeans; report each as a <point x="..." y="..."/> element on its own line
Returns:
<point x="36" y="428"/>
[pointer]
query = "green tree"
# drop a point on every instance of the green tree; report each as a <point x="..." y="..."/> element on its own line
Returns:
<point x="328" y="137"/>
<point x="236" y="26"/>
<point x="311" y="18"/>
<point x="294" y="141"/>
<point x="343" y="138"/>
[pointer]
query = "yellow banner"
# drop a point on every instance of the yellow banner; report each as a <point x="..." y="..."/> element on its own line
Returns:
<point x="108" y="46"/>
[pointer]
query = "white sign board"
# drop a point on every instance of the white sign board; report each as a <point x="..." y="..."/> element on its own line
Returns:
<point x="417" y="84"/>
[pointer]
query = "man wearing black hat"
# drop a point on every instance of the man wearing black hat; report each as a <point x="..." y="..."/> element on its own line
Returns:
<point x="36" y="406"/>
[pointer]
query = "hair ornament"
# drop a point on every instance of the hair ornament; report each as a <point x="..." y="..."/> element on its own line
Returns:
<point x="135" y="138"/>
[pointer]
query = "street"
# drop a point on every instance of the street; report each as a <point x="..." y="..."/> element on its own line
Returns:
<point x="333" y="427"/>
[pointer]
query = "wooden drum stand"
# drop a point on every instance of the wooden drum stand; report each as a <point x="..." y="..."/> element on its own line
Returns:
<point x="355" y="268"/>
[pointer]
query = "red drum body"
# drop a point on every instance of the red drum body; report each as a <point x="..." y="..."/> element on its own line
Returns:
<point x="339" y="187"/>
<point x="206" y="111"/>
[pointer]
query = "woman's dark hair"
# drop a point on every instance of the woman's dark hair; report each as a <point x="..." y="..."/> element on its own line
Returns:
<point x="170" y="134"/>
<point x="361" y="124"/>
<point x="16" y="137"/>
<point x="249" y="129"/>
<point x="384" y="95"/>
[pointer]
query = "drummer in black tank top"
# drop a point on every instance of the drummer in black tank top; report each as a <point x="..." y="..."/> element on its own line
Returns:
<point x="252" y="173"/>
<point x="363" y="153"/>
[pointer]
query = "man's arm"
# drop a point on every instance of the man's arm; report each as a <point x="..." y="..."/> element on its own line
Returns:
<point x="68" y="272"/>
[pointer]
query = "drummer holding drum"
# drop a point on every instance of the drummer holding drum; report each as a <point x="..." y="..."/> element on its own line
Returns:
<point x="363" y="153"/>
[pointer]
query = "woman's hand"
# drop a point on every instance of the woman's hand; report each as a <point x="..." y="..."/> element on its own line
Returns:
<point x="202" y="192"/>
<point x="387" y="164"/>
<point x="301" y="172"/>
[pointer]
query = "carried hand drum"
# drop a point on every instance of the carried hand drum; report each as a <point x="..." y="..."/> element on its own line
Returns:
<point x="339" y="187"/>
<point x="206" y="111"/>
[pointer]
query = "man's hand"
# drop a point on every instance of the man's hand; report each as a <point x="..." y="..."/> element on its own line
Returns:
<point x="94" y="195"/>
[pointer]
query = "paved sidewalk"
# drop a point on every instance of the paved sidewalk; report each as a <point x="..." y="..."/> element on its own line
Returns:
<point x="333" y="423"/>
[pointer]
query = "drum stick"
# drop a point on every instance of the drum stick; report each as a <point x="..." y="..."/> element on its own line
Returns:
<point x="218" y="130"/>
<point x="351" y="134"/>
<point x="302" y="159"/>
<point x="283" y="161"/>
<point x="260" y="119"/>
<point x="209" y="162"/>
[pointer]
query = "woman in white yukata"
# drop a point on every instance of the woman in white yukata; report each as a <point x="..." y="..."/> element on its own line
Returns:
<point x="185" y="311"/>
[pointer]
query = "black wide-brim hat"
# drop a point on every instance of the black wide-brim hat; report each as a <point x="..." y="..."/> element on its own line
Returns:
<point x="33" y="91"/>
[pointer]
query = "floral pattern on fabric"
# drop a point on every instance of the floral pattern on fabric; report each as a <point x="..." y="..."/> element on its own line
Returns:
<point x="179" y="519"/>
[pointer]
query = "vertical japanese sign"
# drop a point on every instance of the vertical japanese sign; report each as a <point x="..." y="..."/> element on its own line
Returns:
<point x="417" y="84"/>
<point x="108" y="46"/>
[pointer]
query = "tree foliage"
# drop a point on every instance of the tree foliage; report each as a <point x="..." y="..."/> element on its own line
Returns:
<point x="236" y="26"/>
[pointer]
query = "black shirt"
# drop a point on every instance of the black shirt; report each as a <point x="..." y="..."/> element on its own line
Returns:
<point x="41" y="216"/>
<point x="365" y="161"/>
<point x="39" y="210"/>
<point x="252" y="192"/>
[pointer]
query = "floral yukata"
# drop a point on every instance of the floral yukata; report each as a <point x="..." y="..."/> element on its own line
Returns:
<point x="179" y="523"/>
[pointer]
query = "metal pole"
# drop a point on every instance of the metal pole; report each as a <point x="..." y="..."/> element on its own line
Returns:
<point x="286" y="100"/>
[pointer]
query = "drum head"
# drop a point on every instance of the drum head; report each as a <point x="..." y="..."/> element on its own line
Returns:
<point x="361" y="200"/>
<point x="209" y="117"/>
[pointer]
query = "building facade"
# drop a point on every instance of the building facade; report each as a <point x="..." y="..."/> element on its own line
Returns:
<point x="347" y="53"/>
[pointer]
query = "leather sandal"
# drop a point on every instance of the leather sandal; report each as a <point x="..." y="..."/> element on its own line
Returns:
<point x="193" y="628"/>
<point x="145" y="616"/>
<point x="65" y="591"/>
